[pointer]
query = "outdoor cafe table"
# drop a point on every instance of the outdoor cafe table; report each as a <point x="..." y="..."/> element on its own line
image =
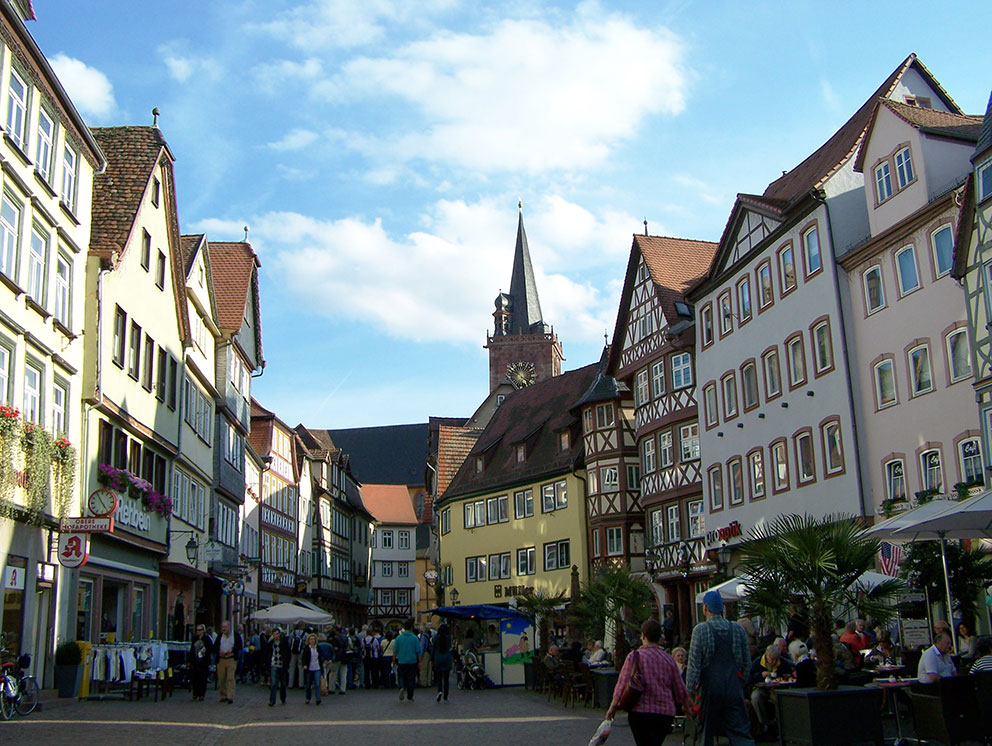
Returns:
<point x="603" y="680"/>
<point x="886" y="685"/>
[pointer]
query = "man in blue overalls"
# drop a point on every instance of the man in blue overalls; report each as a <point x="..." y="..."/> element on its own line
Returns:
<point x="718" y="664"/>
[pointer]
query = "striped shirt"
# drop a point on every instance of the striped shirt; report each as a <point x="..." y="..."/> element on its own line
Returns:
<point x="660" y="679"/>
<point x="982" y="664"/>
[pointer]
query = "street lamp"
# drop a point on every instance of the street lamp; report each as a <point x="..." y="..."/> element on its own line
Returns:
<point x="192" y="546"/>
<point x="454" y="596"/>
<point x="724" y="555"/>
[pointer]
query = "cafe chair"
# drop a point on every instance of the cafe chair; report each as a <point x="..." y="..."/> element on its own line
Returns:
<point x="946" y="711"/>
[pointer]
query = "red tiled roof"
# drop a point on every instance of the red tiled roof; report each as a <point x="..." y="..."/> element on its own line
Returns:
<point x="188" y="244"/>
<point x="454" y="445"/>
<point x="674" y="264"/>
<point x="233" y="265"/>
<point x="389" y="503"/>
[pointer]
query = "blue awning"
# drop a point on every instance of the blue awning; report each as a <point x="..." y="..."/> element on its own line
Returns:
<point x="478" y="611"/>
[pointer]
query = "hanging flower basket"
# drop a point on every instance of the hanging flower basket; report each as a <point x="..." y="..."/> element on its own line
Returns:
<point x="121" y="480"/>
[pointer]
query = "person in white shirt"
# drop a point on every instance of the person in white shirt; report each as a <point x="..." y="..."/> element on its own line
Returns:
<point x="936" y="663"/>
<point x="598" y="654"/>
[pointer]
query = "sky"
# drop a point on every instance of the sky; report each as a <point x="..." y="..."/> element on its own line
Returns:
<point x="377" y="150"/>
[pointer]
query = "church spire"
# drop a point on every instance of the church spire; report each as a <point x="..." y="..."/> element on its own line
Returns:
<point x="526" y="306"/>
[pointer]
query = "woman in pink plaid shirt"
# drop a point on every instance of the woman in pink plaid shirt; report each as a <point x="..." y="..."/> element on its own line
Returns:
<point x="662" y="686"/>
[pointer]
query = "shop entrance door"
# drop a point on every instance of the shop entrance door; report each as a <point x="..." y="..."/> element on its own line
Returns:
<point x="43" y="632"/>
<point x="112" y="611"/>
<point x="12" y="624"/>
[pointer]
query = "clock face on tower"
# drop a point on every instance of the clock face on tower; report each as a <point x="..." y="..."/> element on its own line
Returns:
<point x="521" y="373"/>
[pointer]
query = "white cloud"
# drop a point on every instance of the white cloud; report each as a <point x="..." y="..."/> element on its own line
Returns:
<point x="184" y="66"/>
<point x="707" y="192"/>
<point x="273" y="76"/>
<point x="221" y="230"/>
<point x="295" y="139"/>
<point x="89" y="89"/>
<point x="438" y="284"/>
<point x="520" y="95"/>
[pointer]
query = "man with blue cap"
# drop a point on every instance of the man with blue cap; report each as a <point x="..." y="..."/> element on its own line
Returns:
<point x="719" y="660"/>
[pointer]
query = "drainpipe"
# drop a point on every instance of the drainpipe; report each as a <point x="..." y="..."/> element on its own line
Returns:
<point x="819" y="196"/>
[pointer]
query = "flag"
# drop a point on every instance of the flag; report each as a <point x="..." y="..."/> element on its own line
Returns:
<point x="891" y="557"/>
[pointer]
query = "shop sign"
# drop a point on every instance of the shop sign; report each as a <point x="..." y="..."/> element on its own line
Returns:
<point x="724" y="534"/>
<point x="86" y="525"/>
<point x="132" y="517"/>
<point x="13" y="578"/>
<point x="74" y="549"/>
<point x="214" y="551"/>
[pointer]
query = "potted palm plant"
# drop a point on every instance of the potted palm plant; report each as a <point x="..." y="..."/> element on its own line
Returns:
<point x="68" y="668"/>
<point x="814" y="565"/>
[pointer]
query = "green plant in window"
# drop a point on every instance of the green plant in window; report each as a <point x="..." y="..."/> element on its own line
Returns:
<point x="10" y="437"/>
<point x="39" y="448"/>
<point x="64" y="460"/>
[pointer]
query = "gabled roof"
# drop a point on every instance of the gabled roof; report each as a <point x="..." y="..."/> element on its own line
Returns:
<point x="192" y="246"/>
<point x="189" y="244"/>
<point x="604" y="387"/>
<point x="985" y="137"/>
<point x="928" y="121"/>
<point x="235" y="270"/>
<point x="389" y="504"/>
<point x="454" y="445"/>
<point x="393" y="454"/>
<point x="675" y="264"/>
<point x="539" y="411"/>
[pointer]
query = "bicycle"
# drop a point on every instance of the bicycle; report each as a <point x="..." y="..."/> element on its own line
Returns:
<point x="19" y="692"/>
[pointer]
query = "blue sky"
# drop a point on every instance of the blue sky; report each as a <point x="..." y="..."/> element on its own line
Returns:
<point x="377" y="150"/>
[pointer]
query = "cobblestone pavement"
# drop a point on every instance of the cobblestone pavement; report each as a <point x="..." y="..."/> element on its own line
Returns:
<point x="497" y="717"/>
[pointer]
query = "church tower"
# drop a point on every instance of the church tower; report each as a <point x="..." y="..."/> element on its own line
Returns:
<point x="521" y="347"/>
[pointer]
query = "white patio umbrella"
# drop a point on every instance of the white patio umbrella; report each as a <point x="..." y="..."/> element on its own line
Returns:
<point x="291" y="614"/>
<point x="737" y="588"/>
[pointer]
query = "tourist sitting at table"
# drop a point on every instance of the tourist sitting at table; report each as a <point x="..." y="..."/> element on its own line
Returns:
<point x="844" y="661"/>
<point x="769" y="666"/>
<point x="552" y="661"/>
<point x="783" y="649"/>
<point x="967" y="642"/>
<point x="984" y="652"/>
<point x="598" y="655"/>
<point x="681" y="657"/>
<point x="884" y="653"/>
<point x="936" y="663"/>
<point x="803" y="666"/>
<point x="855" y="640"/>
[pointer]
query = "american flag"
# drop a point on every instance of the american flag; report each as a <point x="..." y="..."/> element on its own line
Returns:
<point x="891" y="557"/>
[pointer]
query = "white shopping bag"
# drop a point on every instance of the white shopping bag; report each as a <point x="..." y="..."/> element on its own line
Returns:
<point x="602" y="733"/>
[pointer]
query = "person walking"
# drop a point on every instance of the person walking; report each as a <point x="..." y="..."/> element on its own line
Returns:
<point x="327" y="655"/>
<point x="372" y="651"/>
<point x="661" y="688"/>
<point x="229" y="645"/>
<point x="339" y="641"/>
<point x="407" y="652"/>
<point x="279" y="659"/>
<point x="200" y="654"/>
<point x="313" y="666"/>
<point x="719" y="661"/>
<point x="297" y="641"/>
<point x="386" y="661"/>
<point x="441" y="658"/>
<point x="426" y="644"/>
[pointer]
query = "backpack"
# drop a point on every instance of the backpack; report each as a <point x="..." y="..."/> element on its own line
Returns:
<point x="349" y="650"/>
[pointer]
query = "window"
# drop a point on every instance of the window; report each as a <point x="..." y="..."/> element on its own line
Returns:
<point x="646" y="325"/>
<point x="709" y="402"/>
<point x="744" y="301"/>
<point x="17" y="100"/>
<point x="805" y="464"/>
<point x="614" y="540"/>
<point x="787" y="268"/>
<point x="942" y="241"/>
<point x="163" y="372"/>
<point x="909" y="277"/>
<point x="149" y="363"/>
<point x="475" y="514"/>
<point x="904" y="168"/>
<point x="63" y="291"/>
<point x="689" y="441"/>
<point x="596" y="548"/>
<point x="69" y="159"/>
<point x="479" y="462"/>
<point x="681" y="370"/>
<point x="556" y="555"/>
<point x="766" y="293"/>
<point x="499" y="566"/>
<point x="673" y="522"/>
<point x="811" y="245"/>
<point x="10" y="225"/>
<point x="780" y="465"/>
<point x="885" y="384"/>
<point x="665" y="449"/>
<point x="883" y="182"/>
<point x="797" y="361"/>
<point x="156" y="190"/>
<point x="657" y="528"/>
<point x="984" y="181"/>
<point x="921" y="380"/>
<point x="198" y="411"/>
<point x="523" y="504"/>
<point x="46" y="139"/>
<point x="134" y="351"/>
<point x="773" y="381"/>
<point x="647" y="455"/>
<point x="736" y="479"/>
<point x="729" y="396"/>
<point x="587" y="421"/>
<point x="60" y="399"/>
<point x="658" y="378"/>
<point x="971" y="461"/>
<point x="37" y="263"/>
<point x="554" y="496"/>
<point x="726" y="315"/>
<point x="525" y="561"/>
<point x="604" y="415"/>
<point x="146" y="249"/>
<point x="958" y="355"/>
<point x="160" y="271"/>
<point x="706" y="323"/>
<point x="387" y="569"/>
<point x="823" y="354"/>
<point x="404" y="538"/>
<point x="611" y="478"/>
<point x="521" y="452"/>
<point x="32" y="394"/>
<point x="874" y="291"/>
<point x="641" y="392"/>
<point x="173" y="382"/>
<point x="895" y="480"/>
<point x="749" y="385"/>
<point x="564" y="440"/>
<point x="756" y="471"/>
<point x="931" y="470"/>
<point x="120" y="335"/>
<point x="387" y="539"/>
<point x="496" y="512"/>
<point x="833" y="450"/>
<point x="716" y="488"/>
<point x="697" y="518"/>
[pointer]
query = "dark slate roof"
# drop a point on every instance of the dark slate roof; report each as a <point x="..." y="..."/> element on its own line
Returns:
<point x="985" y="138"/>
<point x="533" y="415"/>
<point x="394" y="454"/>
<point x="188" y="245"/>
<point x="526" y="306"/>
<point x="604" y="387"/>
<point x="966" y="222"/>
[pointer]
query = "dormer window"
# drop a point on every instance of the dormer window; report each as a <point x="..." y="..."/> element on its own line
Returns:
<point x="682" y="310"/>
<point x="478" y="464"/>
<point x="904" y="168"/>
<point x="564" y="440"/>
<point x="922" y="102"/>
<point x="521" y="453"/>
<point x="883" y="182"/>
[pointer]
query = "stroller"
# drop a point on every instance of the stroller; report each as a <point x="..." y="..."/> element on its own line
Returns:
<point x="469" y="672"/>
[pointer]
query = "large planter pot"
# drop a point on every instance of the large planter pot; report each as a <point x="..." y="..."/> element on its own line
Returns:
<point x="849" y="714"/>
<point x="68" y="680"/>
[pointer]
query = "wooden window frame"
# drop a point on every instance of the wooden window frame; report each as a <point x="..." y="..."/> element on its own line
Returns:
<point x="776" y="488"/>
<point x="824" y="424"/>
<point x="881" y="284"/>
<point x="765" y="264"/>
<point x="725" y="294"/>
<point x="711" y="386"/>
<point x="817" y="323"/>
<point x="757" y="393"/>
<point x="908" y="352"/>
<point x="760" y="452"/>
<point x="800" y="433"/>
<point x="959" y="327"/>
<point x="900" y="293"/>
<point x="811" y="226"/>
<point x="741" y="320"/>
<point x="783" y="290"/>
<point x="795" y="336"/>
<point x="718" y="469"/>
<point x="706" y="309"/>
<point x="729" y="496"/>
<point x="875" y="364"/>
<point x="723" y="395"/>
<point x="764" y="372"/>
